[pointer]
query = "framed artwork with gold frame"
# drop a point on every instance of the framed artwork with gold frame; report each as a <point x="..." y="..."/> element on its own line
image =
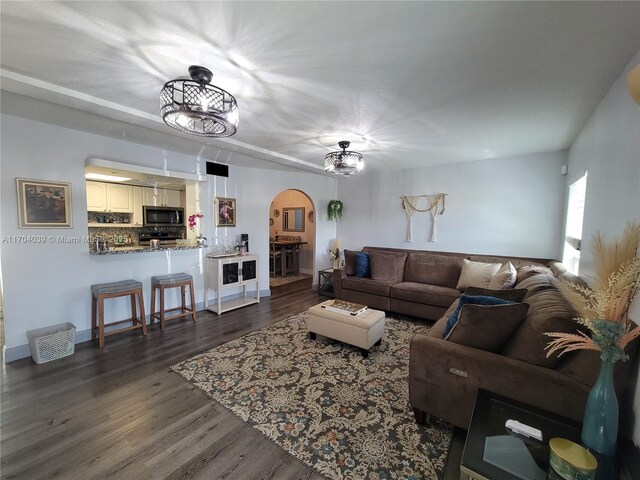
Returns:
<point x="225" y="212"/>
<point x="43" y="204"/>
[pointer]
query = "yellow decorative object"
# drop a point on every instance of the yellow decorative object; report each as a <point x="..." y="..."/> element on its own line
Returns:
<point x="633" y="84"/>
<point x="571" y="461"/>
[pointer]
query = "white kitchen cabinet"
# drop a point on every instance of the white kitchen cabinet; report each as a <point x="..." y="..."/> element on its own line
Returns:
<point x="119" y="198"/>
<point x="137" y="218"/>
<point x="225" y="273"/>
<point x="161" y="197"/>
<point x="149" y="197"/>
<point x="109" y="197"/>
<point x="172" y="198"/>
<point x="96" y="197"/>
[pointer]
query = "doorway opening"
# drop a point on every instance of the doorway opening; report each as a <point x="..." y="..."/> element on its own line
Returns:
<point x="292" y="234"/>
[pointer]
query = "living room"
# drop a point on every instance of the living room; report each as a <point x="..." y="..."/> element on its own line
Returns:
<point x="506" y="193"/>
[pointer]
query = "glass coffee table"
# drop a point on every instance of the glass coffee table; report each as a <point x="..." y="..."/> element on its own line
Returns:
<point x="493" y="452"/>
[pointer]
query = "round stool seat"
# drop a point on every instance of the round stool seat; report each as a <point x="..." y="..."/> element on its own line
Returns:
<point x="171" y="279"/>
<point x="115" y="287"/>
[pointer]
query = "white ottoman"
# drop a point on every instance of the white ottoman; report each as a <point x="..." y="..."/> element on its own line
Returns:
<point x="364" y="330"/>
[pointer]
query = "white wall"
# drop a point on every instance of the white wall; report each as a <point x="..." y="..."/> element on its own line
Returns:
<point x="49" y="283"/>
<point x="608" y="147"/>
<point x="507" y="206"/>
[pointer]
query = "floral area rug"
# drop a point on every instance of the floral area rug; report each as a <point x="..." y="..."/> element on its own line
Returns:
<point x="344" y="416"/>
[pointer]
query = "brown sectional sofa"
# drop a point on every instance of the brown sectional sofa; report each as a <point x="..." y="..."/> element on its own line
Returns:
<point x="443" y="375"/>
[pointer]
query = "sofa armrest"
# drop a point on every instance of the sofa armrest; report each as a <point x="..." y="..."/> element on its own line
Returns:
<point x="338" y="275"/>
<point x="444" y="378"/>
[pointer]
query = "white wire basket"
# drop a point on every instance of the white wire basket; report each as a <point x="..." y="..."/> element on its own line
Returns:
<point x="52" y="343"/>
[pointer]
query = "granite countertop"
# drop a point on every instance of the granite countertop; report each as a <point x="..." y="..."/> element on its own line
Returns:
<point x="139" y="249"/>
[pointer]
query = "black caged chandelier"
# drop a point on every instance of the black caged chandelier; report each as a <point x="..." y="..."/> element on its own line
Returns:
<point x="344" y="162"/>
<point x="196" y="107"/>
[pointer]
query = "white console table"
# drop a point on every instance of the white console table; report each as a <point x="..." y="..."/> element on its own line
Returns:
<point x="224" y="273"/>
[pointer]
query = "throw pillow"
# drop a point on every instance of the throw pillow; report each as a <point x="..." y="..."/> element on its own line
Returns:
<point x="350" y="260"/>
<point x="513" y="294"/>
<point x="384" y="266"/>
<point x="504" y="278"/>
<point x="487" y="327"/>
<point x="477" y="274"/>
<point x="362" y="265"/>
<point x="474" y="300"/>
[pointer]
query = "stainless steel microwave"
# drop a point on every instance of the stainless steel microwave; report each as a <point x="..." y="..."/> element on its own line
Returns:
<point x="162" y="216"/>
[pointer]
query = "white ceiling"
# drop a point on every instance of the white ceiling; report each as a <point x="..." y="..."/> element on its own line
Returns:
<point x="408" y="83"/>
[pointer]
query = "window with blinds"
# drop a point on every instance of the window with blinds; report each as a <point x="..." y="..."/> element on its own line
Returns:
<point x="573" y="227"/>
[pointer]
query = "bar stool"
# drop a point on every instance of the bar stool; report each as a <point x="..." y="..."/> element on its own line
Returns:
<point x="275" y="260"/>
<point x="102" y="291"/>
<point x="172" y="280"/>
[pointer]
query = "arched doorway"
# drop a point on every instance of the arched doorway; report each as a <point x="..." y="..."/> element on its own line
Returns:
<point x="292" y="233"/>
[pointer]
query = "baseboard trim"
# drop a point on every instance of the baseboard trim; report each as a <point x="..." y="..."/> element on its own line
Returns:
<point x="12" y="354"/>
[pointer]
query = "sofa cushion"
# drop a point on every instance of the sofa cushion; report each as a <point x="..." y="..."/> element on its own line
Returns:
<point x="363" y="265"/>
<point x="549" y="311"/>
<point x="513" y="294"/>
<point x="387" y="266"/>
<point x="433" y="269"/>
<point x="487" y="327"/>
<point x="424" y="293"/>
<point x="516" y="262"/>
<point x="537" y="283"/>
<point x="530" y="270"/>
<point x="504" y="278"/>
<point x="367" y="285"/>
<point x="477" y="274"/>
<point x="470" y="299"/>
<point x="350" y="261"/>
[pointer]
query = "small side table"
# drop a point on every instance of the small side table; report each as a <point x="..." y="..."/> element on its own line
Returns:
<point x="490" y="413"/>
<point x="325" y="282"/>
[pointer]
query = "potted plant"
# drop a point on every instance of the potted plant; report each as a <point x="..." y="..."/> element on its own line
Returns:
<point x="603" y="309"/>
<point x="335" y="209"/>
<point x="193" y="222"/>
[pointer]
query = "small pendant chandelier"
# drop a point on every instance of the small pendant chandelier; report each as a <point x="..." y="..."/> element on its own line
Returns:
<point x="198" y="108"/>
<point x="343" y="163"/>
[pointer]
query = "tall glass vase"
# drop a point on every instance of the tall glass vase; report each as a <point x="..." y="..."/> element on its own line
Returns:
<point x="600" y="425"/>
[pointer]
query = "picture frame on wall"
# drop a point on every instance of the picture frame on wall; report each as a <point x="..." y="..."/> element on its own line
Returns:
<point x="43" y="204"/>
<point x="225" y="212"/>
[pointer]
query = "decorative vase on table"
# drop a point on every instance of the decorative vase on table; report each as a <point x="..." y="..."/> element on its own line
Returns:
<point x="603" y="308"/>
<point x="600" y="424"/>
<point x="200" y="240"/>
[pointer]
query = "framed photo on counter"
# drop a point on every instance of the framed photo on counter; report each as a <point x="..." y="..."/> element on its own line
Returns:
<point x="225" y="212"/>
<point x="43" y="204"/>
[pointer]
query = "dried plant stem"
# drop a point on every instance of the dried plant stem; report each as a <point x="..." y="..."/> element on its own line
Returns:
<point x="604" y="308"/>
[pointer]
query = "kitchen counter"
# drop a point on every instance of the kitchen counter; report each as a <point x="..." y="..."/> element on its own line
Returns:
<point x="140" y="249"/>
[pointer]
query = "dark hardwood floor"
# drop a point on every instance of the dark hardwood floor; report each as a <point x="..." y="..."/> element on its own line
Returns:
<point x="119" y="413"/>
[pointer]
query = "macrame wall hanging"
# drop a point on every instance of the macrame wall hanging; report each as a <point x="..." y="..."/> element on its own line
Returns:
<point x="435" y="207"/>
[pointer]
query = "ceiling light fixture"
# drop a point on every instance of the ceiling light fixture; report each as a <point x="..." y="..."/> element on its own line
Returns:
<point x="198" y="108"/>
<point x="106" y="178"/>
<point x="344" y="162"/>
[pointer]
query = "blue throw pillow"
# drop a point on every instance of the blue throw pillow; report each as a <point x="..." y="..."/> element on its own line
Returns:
<point x="474" y="300"/>
<point x="363" y="266"/>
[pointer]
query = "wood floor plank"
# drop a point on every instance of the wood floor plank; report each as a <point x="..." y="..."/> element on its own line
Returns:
<point x="120" y="413"/>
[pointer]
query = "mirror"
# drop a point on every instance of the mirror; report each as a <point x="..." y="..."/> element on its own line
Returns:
<point x="293" y="219"/>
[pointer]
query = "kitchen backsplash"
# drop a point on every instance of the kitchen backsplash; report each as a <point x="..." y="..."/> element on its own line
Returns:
<point x="99" y="217"/>
<point x="120" y="235"/>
